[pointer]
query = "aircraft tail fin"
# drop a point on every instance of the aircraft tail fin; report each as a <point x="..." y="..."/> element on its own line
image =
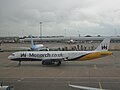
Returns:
<point x="104" y="45"/>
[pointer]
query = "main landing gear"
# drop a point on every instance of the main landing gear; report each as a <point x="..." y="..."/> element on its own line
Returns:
<point x="51" y="62"/>
<point x="57" y="63"/>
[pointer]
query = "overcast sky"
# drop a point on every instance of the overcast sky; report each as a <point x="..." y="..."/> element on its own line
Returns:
<point x="73" y="17"/>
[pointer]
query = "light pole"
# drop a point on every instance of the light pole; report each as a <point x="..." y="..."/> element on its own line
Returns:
<point x="65" y="34"/>
<point x="41" y="31"/>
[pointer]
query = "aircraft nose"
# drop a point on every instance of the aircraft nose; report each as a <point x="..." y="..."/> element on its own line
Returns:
<point x="10" y="57"/>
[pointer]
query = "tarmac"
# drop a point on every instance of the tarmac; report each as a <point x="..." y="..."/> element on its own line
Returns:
<point x="103" y="73"/>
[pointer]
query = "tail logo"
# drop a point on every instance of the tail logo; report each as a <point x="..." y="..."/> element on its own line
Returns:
<point x="104" y="46"/>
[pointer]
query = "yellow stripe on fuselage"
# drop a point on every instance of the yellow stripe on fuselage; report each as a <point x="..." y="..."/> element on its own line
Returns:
<point x="95" y="55"/>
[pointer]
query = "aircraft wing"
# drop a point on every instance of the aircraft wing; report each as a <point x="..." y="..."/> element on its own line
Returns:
<point x="85" y="88"/>
<point x="52" y="61"/>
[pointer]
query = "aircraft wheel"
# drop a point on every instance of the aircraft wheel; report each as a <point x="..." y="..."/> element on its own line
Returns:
<point x="58" y="63"/>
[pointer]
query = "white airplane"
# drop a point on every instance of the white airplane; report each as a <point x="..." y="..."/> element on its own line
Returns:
<point x="33" y="47"/>
<point x="6" y="87"/>
<point x="56" y="57"/>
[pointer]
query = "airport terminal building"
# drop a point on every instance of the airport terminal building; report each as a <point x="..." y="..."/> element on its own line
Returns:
<point x="71" y="43"/>
<point x="114" y="39"/>
<point x="68" y="39"/>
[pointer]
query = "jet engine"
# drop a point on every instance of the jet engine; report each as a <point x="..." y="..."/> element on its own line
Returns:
<point x="51" y="62"/>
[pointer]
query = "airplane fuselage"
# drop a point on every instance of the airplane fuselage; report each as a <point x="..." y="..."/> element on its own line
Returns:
<point x="64" y="55"/>
<point x="36" y="47"/>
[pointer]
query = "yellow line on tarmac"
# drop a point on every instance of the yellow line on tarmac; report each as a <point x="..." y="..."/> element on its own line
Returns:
<point x="100" y="85"/>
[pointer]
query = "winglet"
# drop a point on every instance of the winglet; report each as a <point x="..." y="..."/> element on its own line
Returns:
<point x="104" y="45"/>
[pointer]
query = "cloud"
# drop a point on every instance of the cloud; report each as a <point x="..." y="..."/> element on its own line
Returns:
<point x="86" y="16"/>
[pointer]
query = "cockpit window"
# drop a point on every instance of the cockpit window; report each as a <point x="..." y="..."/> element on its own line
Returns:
<point x="13" y="54"/>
